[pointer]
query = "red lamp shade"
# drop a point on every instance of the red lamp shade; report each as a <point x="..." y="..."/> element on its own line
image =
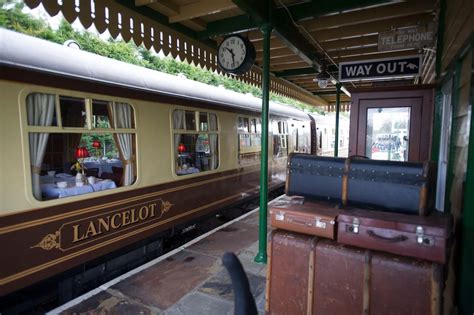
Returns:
<point x="81" y="152"/>
<point x="181" y="148"/>
<point x="96" y="144"/>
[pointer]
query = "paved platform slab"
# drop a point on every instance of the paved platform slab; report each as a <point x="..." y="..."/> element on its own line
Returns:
<point x="191" y="281"/>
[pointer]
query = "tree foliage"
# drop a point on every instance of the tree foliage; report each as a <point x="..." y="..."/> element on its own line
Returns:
<point x="12" y="17"/>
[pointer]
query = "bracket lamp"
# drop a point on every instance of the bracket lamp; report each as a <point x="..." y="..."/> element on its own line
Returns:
<point x="322" y="78"/>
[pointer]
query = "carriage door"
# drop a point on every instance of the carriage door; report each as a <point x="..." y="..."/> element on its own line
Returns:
<point x="391" y="126"/>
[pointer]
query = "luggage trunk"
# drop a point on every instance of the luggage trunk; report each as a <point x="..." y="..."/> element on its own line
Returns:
<point x="308" y="217"/>
<point x="398" y="186"/>
<point x="385" y="185"/>
<point x="314" y="176"/>
<point x="310" y="275"/>
<point x="407" y="235"/>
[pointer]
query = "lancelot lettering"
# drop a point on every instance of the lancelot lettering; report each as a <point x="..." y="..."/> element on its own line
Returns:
<point x="113" y="222"/>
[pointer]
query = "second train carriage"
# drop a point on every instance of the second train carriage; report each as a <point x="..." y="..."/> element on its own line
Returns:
<point x="157" y="151"/>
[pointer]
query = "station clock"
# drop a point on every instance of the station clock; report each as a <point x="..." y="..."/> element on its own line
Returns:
<point x="236" y="54"/>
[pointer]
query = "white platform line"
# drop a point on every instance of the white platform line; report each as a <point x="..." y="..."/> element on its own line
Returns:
<point x="112" y="282"/>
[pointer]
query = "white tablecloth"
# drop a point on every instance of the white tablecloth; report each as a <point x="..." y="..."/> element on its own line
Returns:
<point x="49" y="188"/>
<point x="189" y="170"/>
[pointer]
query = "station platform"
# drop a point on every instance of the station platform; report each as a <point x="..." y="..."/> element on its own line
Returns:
<point x="188" y="280"/>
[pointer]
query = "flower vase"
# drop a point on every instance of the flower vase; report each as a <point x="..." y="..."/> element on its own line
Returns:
<point x="79" y="179"/>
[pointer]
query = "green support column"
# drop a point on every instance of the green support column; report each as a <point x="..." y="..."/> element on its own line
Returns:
<point x="262" y="244"/>
<point x="437" y="121"/>
<point x="466" y="272"/>
<point x="338" y="110"/>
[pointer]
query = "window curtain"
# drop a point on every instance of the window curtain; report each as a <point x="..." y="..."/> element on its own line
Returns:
<point x="124" y="118"/>
<point x="213" y="147"/>
<point x="40" y="109"/>
<point x="178" y="123"/>
<point x="212" y="122"/>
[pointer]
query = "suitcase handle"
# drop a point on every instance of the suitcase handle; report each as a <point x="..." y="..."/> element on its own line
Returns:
<point x="300" y="222"/>
<point x="396" y="239"/>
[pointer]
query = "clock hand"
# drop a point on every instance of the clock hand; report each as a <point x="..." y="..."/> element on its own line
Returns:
<point x="233" y="55"/>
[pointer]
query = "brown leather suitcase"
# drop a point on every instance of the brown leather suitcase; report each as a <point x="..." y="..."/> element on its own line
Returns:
<point x="311" y="275"/>
<point x="307" y="217"/>
<point x="421" y="237"/>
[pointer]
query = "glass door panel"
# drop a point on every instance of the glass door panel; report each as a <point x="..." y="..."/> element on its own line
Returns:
<point x="387" y="136"/>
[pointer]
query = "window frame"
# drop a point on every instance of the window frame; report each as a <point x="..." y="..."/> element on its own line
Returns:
<point x="258" y="122"/>
<point x="26" y="129"/>
<point x="197" y="131"/>
<point x="280" y="129"/>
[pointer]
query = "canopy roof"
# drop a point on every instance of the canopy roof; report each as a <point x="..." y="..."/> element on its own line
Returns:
<point x="308" y="36"/>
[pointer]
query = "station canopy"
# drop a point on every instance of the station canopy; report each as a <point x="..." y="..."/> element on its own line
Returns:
<point x="308" y="37"/>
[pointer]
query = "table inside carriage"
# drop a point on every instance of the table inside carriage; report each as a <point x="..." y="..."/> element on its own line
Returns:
<point x="50" y="189"/>
<point x="104" y="166"/>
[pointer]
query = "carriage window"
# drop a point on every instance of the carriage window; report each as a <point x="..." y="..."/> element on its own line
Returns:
<point x="249" y="140"/>
<point x="100" y="115"/>
<point x="73" y="112"/>
<point x="203" y="124"/>
<point x="190" y="119"/>
<point x="81" y="160"/>
<point x="253" y="125"/>
<point x="280" y="139"/>
<point x="243" y="124"/>
<point x="195" y="152"/>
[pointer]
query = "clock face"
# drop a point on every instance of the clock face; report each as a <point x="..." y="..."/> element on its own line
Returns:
<point x="235" y="54"/>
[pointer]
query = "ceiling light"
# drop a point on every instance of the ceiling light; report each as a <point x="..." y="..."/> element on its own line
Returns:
<point x="322" y="78"/>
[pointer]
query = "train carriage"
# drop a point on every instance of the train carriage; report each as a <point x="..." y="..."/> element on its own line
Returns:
<point x="100" y="154"/>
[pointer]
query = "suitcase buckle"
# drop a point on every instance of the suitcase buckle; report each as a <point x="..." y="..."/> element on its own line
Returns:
<point x="280" y="216"/>
<point x="320" y="224"/>
<point x="354" y="228"/>
<point x="423" y="239"/>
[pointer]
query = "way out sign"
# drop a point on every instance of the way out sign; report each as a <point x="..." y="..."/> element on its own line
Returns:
<point x="380" y="69"/>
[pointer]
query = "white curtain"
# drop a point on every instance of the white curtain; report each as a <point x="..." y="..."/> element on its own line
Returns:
<point x="124" y="118"/>
<point x="40" y="110"/>
<point x="213" y="147"/>
<point x="178" y="123"/>
<point x="178" y="119"/>
<point x="212" y="122"/>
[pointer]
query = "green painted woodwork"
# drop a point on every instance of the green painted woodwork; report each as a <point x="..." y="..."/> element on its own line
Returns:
<point x="466" y="268"/>
<point x="298" y="12"/>
<point x="452" y="149"/>
<point x="257" y="10"/>
<point x="304" y="71"/>
<point x="440" y="40"/>
<point x="239" y="23"/>
<point x="262" y="244"/>
<point x="338" y="110"/>
<point x="285" y="30"/>
<point x="326" y="93"/>
<point x="295" y="72"/>
<point x="322" y="7"/>
<point x="437" y="121"/>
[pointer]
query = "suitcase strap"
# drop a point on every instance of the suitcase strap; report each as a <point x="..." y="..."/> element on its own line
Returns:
<point x="345" y="181"/>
